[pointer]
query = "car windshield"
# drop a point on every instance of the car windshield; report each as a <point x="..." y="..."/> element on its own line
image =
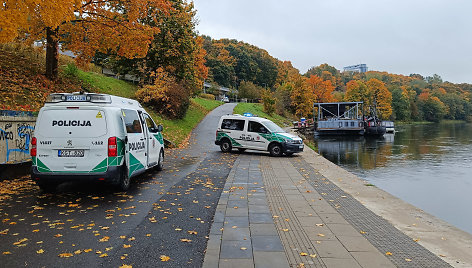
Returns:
<point x="273" y="127"/>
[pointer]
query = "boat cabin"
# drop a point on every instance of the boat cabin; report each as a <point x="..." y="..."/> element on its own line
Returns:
<point x="339" y="118"/>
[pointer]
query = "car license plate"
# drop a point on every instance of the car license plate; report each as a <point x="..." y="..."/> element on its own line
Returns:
<point x="301" y="146"/>
<point x="70" y="153"/>
<point x="76" y="98"/>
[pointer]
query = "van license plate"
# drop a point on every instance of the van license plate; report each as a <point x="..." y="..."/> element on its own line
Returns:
<point x="70" y="153"/>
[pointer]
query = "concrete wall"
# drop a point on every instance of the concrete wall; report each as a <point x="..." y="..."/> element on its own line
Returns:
<point x="16" y="131"/>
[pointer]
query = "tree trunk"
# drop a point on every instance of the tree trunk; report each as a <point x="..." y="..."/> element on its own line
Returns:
<point x="52" y="55"/>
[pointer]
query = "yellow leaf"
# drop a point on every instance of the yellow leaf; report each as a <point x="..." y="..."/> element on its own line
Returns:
<point x="103" y="255"/>
<point x="321" y="235"/>
<point x="77" y="252"/>
<point x="126" y="246"/>
<point x="185" y="240"/>
<point x="243" y="248"/>
<point x="6" y="253"/>
<point x="408" y="260"/>
<point x="87" y="250"/>
<point x="104" y="239"/>
<point x="122" y="236"/>
<point x="164" y="258"/>
<point x="126" y="266"/>
<point x="303" y="254"/>
<point x="388" y="253"/>
<point x="285" y="230"/>
<point x="41" y="251"/>
<point x="35" y="231"/>
<point x="178" y="229"/>
<point x="66" y="255"/>
<point x="148" y="235"/>
<point x="313" y="255"/>
<point x="192" y="232"/>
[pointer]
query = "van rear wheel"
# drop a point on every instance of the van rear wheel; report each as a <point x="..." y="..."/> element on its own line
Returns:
<point x="124" y="182"/>
<point x="46" y="187"/>
<point x="226" y="146"/>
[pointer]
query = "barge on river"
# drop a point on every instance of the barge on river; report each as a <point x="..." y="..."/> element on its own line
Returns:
<point x="346" y="118"/>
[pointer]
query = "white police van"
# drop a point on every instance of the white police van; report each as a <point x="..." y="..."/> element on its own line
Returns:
<point x="86" y="136"/>
<point x="255" y="133"/>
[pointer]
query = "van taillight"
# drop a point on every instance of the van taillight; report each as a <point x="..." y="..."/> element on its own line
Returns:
<point x="112" y="148"/>
<point x="33" y="151"/>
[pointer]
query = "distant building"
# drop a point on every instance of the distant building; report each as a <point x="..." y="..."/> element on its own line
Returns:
<point x="359" y="68"/>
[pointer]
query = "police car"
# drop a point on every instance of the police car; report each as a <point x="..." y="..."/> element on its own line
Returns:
<point x="255" y="133"/>
<point x="85" y="136"/>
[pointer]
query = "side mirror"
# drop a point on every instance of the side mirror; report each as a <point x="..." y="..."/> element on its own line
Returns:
<point x="160" y="128"/>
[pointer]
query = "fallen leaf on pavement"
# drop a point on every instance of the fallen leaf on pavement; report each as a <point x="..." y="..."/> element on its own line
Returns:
<point x="66" y="255"/>
<point x="164" y="258"/>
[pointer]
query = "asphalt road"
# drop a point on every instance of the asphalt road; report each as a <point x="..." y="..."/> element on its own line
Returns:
<point x="162" y="221"/>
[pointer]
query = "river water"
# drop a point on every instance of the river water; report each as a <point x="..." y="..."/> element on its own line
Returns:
<point x="429" y="166"/>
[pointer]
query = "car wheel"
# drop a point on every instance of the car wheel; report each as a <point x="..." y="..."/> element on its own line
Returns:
<point x="275" y="149"/>
<point x="124" y="182"/>
<point x="160" y="163"/>
<point x="241" y="150"/>
<point x="47" y="187"/>
<point x="226" y="146"/>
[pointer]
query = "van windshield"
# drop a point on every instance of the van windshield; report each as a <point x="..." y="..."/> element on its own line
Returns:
<point x="273" y="127"/>
<point x="72" y="123"/>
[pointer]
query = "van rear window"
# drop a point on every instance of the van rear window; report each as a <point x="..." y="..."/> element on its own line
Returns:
<point x="72" y="123"/>
<point x="232" y="124"/>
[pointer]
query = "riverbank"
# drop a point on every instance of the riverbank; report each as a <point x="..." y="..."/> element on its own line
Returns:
<point x="444" y="240"/>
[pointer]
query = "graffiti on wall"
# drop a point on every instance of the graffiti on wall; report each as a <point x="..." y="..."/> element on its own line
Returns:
<point x="15" y="140"/>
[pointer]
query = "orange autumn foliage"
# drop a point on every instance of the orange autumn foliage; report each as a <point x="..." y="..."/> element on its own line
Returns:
<point x="321" y="90"/>
<point x="85" y="27"/>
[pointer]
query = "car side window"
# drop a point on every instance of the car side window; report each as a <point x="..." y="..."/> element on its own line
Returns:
<point x="257" y="127"/>
<point x="150" y="123"/>
<point x="232" y="124"/>
<point x="132" y="122"/>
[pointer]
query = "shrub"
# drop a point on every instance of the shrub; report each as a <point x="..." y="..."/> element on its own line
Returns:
<point x="165" y="95"/>
<point x="70" y="70"/>
<point x="268" y="101"/>
<point x="207" y="96"/>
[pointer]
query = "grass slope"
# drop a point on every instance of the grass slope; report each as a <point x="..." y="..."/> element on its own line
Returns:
<point x="24" y="87"/>
<point x="258" y="109"/>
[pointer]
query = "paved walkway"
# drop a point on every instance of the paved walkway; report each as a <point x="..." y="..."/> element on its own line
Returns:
<point x="280" y="212"/>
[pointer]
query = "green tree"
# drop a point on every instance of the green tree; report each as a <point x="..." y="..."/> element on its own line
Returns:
<point x="249" y="90"/>
<point x="401" y="104"/>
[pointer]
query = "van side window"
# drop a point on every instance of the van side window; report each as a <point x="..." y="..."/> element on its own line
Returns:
<point x="132" y="123"/>
<point x="150" y="123"/>
<point x="233" y="124"/>
<point x="256" y="127"/>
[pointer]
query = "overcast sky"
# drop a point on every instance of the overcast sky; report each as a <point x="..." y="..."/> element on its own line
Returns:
<point x="397" y="36"/>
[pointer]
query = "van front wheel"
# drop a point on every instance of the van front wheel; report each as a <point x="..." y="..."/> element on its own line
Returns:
<point x="160" y="163"/>
<point x="225" y="146"/>
<point x="124" y="182"/>
<point x="275" y="149"/>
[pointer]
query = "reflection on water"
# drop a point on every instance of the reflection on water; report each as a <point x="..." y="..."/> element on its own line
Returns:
<point x="429" y="166"/>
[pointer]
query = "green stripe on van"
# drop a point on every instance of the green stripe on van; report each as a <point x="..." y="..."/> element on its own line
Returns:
<point x="134" y="164"/>
<point x="159" y="137"/>
<point x="42" y="167"/>
<point x="102" y="167"/>
<point x="220" y="135"/>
